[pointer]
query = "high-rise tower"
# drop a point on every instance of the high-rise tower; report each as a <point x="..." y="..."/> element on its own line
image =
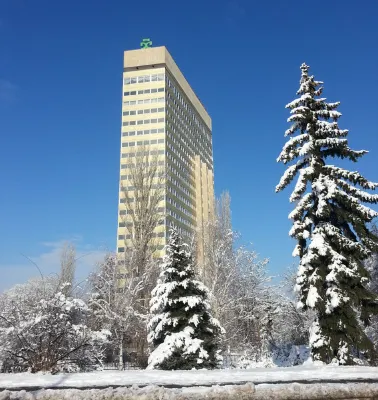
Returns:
<point x="162" y="114"/>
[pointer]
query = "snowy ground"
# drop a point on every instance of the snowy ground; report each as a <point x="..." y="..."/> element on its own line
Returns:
<point x="175" y="379"/>
<point x="293" y="391"/>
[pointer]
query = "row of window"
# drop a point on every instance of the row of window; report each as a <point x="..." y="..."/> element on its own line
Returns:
<point x="143" y="79"/>
<point x="131" y="178"/>
<point x="177" y="162"/>
<point x="186" y="135"/>
<point x="177" y="173"/>
<point x="178" y="217"/>
<point x="198" y="141"/>
<point x="178" y="183"/>
<point x="180" y="144"/>
<point x="179" y="186"/>
<point x="152" y="153"/>
<point x="123" y="200"/>
<point x="145" y="91"/>
<point x="146" y="111"/>
<point x="129" y="224"/>
<point x="182" y="231"/>
<point x="145" y="142"/>
<point x="180" y="207"/>
<point x="189" y="109"/>
<point x="179" y="132"/>
<point x="144" y="132"/>
<point x="128" y="236"/>
<point x="144" y="101"/>
<point x="184" y="199"/>
<point x="122" y="250"/>
<point x="132" y="165"/>
<point x="131" y="212"/>
<point x="185" y="160"/>
<point x="143" y="122"/>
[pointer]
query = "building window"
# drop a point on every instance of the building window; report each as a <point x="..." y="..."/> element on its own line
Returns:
<point x="121" y="249"/>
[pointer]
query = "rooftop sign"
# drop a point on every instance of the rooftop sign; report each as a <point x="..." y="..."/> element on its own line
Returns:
<point x="146" y="43"/>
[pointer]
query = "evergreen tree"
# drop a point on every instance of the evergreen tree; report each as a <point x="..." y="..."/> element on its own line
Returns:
<point x="182" y="332"/>
<point x="330" y="226"/>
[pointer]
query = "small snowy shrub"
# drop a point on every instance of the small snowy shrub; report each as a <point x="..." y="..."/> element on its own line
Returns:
<point x="47" y="333"/>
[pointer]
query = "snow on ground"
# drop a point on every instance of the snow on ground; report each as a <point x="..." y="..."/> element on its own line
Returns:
<point x="102" y="379"/>
<point x="293" y="391"/>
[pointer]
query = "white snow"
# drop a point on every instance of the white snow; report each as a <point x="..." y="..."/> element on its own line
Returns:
<point x="216" y="392"/>
<point x="310" y="373"/>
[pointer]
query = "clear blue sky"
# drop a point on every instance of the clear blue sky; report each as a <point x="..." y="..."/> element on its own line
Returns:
<point x="60" y="107"/>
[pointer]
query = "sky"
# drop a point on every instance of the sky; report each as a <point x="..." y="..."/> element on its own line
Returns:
<point x="60" y="110"/>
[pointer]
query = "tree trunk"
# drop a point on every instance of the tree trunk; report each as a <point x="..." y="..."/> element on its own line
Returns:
<point x="120" y="353"/>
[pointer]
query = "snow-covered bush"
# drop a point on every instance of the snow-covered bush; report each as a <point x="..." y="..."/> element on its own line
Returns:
<point x="45" y="330"/>
<point x="283" y="356"/>
<point x="182" y="332"/>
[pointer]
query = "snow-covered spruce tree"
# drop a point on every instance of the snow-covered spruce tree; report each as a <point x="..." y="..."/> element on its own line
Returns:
<point x="330" y="225"/>
<point x="182" y="332"/>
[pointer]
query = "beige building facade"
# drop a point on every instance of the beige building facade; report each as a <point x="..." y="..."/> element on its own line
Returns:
<point x="161" y="113"/>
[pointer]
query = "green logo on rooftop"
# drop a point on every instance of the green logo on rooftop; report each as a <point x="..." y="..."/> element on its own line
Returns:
<point x="145" y="43"/>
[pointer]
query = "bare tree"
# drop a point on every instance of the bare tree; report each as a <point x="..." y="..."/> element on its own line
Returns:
<point x="143" y="194"/>
<point x="67" y="267"/>
<point x="116" y="301"/>
<point x="237" y="281"/>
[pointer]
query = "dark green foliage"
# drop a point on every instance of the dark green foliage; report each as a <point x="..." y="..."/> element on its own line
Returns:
<point x="182" y="332"/>
<point x="331" y="227"/>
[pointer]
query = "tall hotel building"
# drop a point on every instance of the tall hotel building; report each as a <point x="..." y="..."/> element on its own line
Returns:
<point x="161" y="112"/>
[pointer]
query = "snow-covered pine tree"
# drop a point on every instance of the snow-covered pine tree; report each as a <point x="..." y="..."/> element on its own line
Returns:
<point x="182" y="332"/>
<point x="330" y="225"/>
